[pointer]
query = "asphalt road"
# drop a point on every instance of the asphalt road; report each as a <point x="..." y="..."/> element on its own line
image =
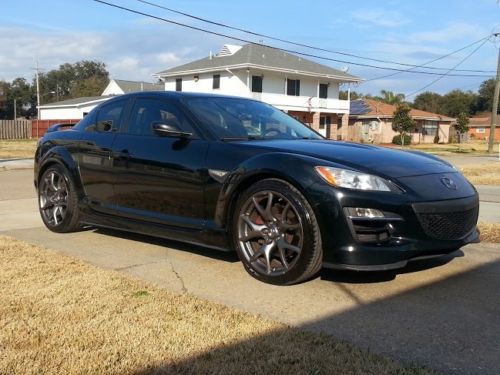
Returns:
<point x="443" y="313"/>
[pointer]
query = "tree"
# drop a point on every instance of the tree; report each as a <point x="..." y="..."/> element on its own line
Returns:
<point x="402" y="122"/>
<point x="354" y="95"/>
<point x="457" y="101"/>
<point x="485" y="100"/>
<point x="390" y="97"/>
<point x="428" y="101"/>
<point x="4" y="102"/>
<point x="462" y="125"/>
<point x="83" y="78"/>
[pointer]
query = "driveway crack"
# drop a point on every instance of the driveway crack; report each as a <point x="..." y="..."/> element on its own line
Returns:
<point x="179" y="277"/>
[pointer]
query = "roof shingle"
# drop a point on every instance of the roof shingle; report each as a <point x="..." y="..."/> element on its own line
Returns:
<point x="263" y="57"/>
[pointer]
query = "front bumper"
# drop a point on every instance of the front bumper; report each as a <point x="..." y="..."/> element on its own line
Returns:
<point x="410" y="230"/>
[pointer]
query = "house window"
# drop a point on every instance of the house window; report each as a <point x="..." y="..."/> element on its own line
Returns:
<point x="430" y="127"/>
<point x="480" y="130"/>
<point x="178" y="84"/>
<point x="323" y="90"/>
<point x="293" y="87"/>
<point x="216" y="82"/>
<point x="256" y="83"/>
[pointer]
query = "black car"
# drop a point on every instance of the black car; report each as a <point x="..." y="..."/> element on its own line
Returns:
<point x="237" y="174"/>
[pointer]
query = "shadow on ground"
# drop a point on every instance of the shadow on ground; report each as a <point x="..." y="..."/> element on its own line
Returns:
<point x="452" y="326"/>
<point x="227" y="256"/>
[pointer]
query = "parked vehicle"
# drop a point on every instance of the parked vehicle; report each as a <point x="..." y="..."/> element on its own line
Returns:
<point x="237" y="174"/>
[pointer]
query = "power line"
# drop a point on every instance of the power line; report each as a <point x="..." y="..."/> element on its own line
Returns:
<point x="304" y="45"/>
<point x="451" y="69"/>
<point x="430" y="62"/>
<point x="275" y="48"/>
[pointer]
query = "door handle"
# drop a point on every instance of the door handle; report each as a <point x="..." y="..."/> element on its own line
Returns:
<point x="124" y="154"/>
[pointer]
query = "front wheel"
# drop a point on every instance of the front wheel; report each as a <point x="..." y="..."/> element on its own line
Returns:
<point x="276" y="233"/>
<point x="57" y="200"/>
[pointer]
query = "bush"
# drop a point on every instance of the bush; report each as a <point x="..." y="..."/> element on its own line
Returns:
<point x="436" y="138"/>
<point x="397" y="139"/>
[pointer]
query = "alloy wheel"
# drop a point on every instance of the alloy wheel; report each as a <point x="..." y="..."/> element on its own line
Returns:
<point x="270" y="233"/>
<point x="53" y="198"/>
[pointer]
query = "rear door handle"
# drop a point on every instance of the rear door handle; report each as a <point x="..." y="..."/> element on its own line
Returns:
<point x="124" y="154"/>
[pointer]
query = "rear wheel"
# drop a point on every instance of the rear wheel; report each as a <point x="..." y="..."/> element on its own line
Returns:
<point x="276" y="233"/>
<point x="57" y="200"/>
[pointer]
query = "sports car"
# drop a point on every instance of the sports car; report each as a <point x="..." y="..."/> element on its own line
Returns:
<point x="240" y="175"/>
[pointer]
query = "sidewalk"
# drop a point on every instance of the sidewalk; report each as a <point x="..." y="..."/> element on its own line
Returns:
<point x="10" y="164"/>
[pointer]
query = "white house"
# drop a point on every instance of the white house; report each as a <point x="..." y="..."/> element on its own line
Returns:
<point x="71" y="109"/>
<point x="305" y="89"/>
<point x="75" y="109"/>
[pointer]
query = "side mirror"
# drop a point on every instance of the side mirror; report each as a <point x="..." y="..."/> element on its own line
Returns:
<point x="169" y="130"/>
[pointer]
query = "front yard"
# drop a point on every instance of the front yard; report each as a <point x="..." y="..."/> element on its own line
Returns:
<point x="59" y="315"/>
<point x="17" y="148"/>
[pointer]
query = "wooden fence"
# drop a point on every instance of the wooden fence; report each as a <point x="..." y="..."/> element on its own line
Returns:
<point x="39" y="127"/>
<point x="15" y="129"/>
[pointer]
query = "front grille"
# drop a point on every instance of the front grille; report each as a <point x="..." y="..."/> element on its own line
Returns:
<point x="449" y="225"/>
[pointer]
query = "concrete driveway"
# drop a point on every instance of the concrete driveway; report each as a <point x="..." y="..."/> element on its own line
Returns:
<point x="443" y="313"/>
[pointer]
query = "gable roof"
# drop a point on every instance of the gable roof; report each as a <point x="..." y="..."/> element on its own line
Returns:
<point x="260" y="57"/>
<point x="76" y="102"/>
<point x="133" y="86"/>
<point x="482" y="121"/>
<point x="370" y="108"/>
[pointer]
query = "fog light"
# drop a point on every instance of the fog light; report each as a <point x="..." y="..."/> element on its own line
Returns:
<point x="359" y="212"/>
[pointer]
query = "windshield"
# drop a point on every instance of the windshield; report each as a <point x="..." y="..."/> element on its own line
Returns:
<point x="235" y="119"/>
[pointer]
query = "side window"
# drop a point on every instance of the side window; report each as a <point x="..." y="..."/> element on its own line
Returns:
<point x="109" y="115"/>
<point x="147" y="112"/>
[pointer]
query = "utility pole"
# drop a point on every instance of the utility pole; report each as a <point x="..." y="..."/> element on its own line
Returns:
<point x="37" y="69"/>
<point x="15" y="109"/>
<point x="494" y="110"/>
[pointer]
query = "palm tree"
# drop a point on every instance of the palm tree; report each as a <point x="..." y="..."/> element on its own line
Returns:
<point x="390" y="98"/>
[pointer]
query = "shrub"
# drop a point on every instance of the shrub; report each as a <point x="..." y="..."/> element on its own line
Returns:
<point x="397" y="139"/>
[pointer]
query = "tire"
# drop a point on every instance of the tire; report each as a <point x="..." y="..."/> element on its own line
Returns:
<point x="58" y="201"/>
<point x="276" y="234"/>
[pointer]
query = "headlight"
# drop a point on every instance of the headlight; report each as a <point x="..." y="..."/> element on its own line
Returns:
<point x="352" y="180"/>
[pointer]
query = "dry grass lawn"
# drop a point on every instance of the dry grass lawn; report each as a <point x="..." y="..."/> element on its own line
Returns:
<point x="473" y="146"/>
<point x="483" y="174"/>
<point x="490" y="232"/>
<point x="62" y="316"/>
<point x="17" y="148"/>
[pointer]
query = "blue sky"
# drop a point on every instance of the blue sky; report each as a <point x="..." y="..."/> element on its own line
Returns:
<point x="134" y="47"/>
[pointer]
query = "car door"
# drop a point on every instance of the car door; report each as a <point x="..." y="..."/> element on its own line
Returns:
<point x="95" y="157"/>
<point x="159" y="178"/>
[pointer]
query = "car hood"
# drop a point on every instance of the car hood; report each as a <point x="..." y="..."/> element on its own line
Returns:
<point x="379" y="160"/>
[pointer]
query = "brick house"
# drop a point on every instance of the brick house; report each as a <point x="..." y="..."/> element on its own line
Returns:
<point x="479" y="127"/>
<point x="370" y="121"/>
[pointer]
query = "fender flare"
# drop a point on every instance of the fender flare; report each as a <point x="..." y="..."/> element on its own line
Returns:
<point x="60" y="155"/>
<point x="295" y="169"/>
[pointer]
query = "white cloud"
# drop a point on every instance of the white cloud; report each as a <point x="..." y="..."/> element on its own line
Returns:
<point x="379" y="17"/>
<point x="128" y="54"/>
